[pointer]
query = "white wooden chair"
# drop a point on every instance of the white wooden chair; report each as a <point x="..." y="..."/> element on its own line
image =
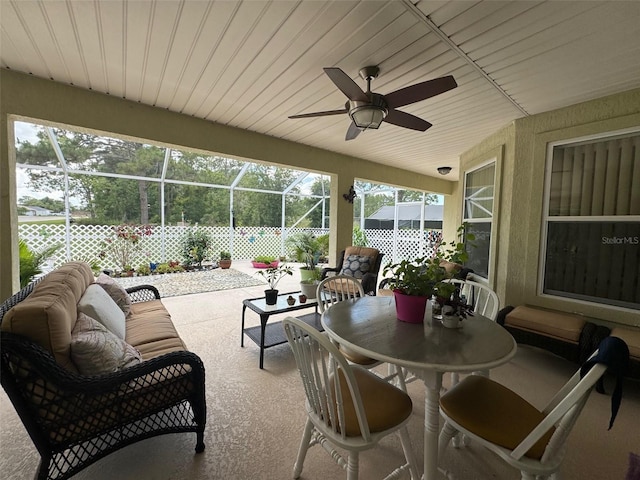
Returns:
<point x="531" y="440"/>
<point x="336" y="289"/>
<point x="353" y="413"/>
<point x="485" y="302"/>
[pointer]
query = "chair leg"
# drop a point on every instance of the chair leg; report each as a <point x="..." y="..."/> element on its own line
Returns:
<point x="352" y="465"/>
<point x="408" y="453"/>
<point x="447" y="433"/>
<point x="302" y="451"/>
<point x="399" y="377"/>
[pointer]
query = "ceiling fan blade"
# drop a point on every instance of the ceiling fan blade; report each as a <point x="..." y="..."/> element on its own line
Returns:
<point x="420" y="91"/>
<point x="345" y="84"/>
<point x="352" y="132"/>
<point x="320" y="114"/>
<point x="406" y="120"/>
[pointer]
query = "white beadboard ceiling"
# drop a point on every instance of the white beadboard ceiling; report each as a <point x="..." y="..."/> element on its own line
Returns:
<point x="251" y="64"/>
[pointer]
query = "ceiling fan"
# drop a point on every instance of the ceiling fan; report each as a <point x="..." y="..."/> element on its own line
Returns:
<point x="368" y="109"/>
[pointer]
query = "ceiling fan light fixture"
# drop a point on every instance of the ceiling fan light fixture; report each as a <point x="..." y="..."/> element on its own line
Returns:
<point x="367" y="116"/>
<point x="370" y="114"/>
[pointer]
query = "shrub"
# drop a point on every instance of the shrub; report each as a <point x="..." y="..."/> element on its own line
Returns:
<point x="195" y="247"/>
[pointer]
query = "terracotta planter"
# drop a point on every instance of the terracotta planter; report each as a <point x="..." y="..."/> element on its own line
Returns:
<point x="224" y="263"/>
<point x="410" y="308"/>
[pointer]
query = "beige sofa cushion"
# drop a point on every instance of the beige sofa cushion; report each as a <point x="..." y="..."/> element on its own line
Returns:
<point x="48" y="315"/>
<point x="562" y="326"/>
<point x="151" y="331"/>
<point x="631" y="338"/>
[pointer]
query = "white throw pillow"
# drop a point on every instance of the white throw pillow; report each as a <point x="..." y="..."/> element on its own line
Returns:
<point x="96" y="350"/>
<point x="97" y="303"/>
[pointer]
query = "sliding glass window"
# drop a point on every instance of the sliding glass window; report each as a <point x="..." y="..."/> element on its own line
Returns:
<point x="591" y="248"/>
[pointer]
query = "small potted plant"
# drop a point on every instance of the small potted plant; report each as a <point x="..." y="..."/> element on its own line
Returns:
<point x="224" y="261"/>
<point x="453" y="305"/>
<point x="415" y="282"/>
<point x="272" y="276"/>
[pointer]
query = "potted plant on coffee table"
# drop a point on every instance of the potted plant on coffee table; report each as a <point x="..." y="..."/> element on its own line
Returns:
<point x="272" y="276"/>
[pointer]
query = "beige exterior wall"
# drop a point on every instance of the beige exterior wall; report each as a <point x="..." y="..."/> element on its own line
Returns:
<point x="520" y="204"/>
<point x="31" y="98"/>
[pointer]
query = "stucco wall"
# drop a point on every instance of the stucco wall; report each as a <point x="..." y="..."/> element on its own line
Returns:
<point x="520" y="205"/>
<point x="31" y="98"/>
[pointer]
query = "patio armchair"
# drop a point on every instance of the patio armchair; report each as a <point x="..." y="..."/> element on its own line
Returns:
<point x="362" y="263"/>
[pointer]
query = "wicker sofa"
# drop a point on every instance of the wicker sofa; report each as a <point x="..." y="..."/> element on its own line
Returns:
<point x="75" y="418"/>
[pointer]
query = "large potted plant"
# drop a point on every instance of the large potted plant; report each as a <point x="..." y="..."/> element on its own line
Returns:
<point x="272" y="275"/>
<point x="306" y="249"/>
<point x="414" y="282"/>
<point x="309" y="285"/>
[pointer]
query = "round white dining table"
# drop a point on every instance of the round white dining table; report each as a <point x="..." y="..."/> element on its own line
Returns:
<point x="369" y="326"/>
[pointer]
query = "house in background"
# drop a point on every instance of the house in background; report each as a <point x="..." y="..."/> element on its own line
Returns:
<point x="37" y="211"/>
<point x="408" y="217"/>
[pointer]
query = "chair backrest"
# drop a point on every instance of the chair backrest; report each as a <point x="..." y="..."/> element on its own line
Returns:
<point x="319" y="362"/>
<point x="484" y="300"/>
<point x="562" y="411"/>
<point x="336" y="289"/>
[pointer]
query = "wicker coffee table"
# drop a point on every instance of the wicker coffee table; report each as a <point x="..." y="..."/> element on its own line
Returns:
<point x="266" y="336"/>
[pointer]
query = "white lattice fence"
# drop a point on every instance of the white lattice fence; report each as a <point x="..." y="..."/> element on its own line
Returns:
<point x="408" y="244"/>
<point x="85" y="242"/>
<point x="248" y="242"/>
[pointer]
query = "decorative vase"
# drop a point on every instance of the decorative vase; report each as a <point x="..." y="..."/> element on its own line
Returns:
<point x="410" y="308"/>
<point x="450" y="319"/>
<point x="302" y="298"/>
<point x="271" y="297"/>
<point x="291" y="300"/>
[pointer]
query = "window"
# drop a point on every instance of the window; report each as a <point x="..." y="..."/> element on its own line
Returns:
<point x="478" y="215"/>
<point x="592" y="243"/>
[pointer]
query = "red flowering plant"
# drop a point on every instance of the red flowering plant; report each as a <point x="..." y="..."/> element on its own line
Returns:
<point x="124" y="244"/>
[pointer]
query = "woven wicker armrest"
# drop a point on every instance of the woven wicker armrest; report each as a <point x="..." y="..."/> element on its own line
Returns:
<point x="62" y="409"/>
<point x="143" y="293"/>
<point x="368" y="281"/>
<point x="326" y="270"/>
